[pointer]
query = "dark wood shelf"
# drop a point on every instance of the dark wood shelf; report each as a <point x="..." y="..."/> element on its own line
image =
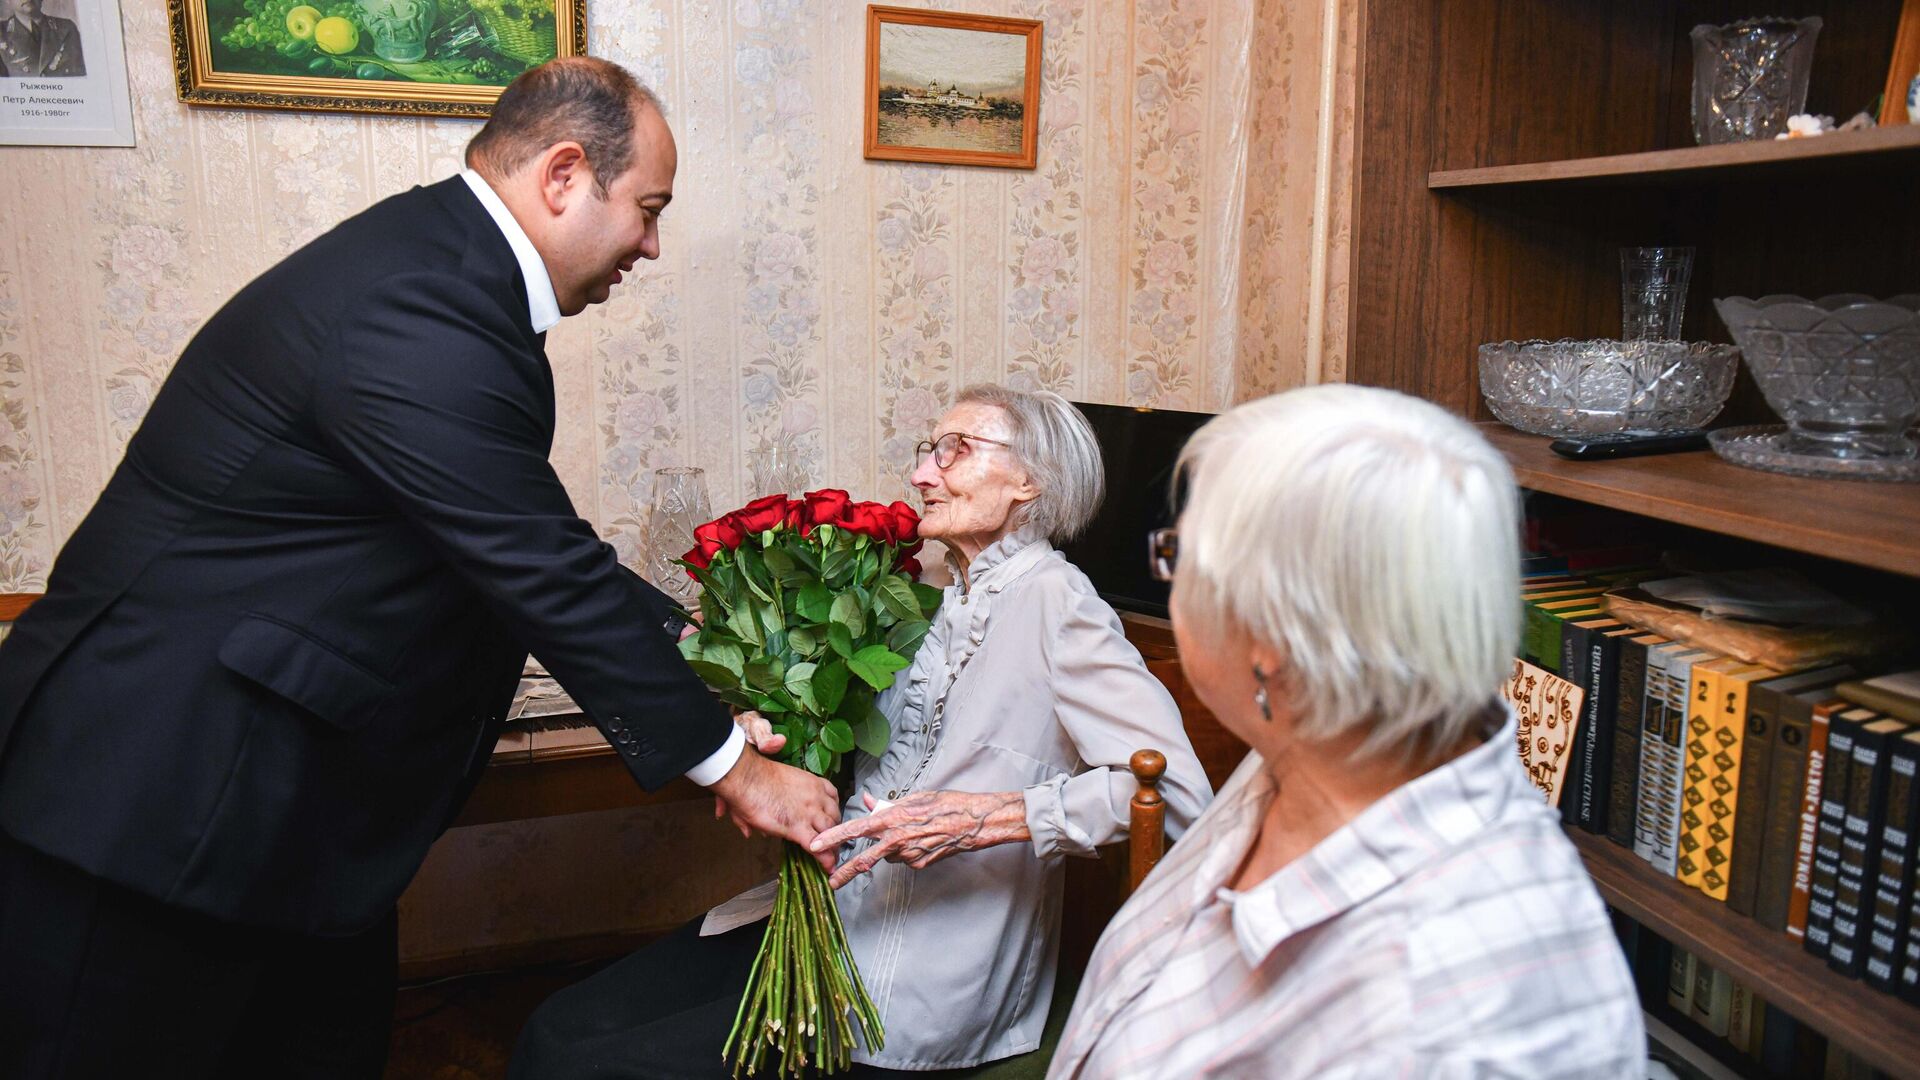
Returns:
<point x="1878" y="1027"/>
<point x="1855" y="521"/>
<point x="1888" y="147"/>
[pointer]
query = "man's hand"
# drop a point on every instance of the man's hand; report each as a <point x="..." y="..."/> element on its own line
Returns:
<point x="928" y="826"/>
<point x="778" y="799"/>
<point x="761" y="737"/>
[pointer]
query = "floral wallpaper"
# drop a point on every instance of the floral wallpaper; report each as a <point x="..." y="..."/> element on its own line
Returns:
<point x="1171" y="249"/>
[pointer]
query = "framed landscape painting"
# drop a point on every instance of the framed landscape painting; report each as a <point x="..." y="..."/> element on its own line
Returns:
<point x="952" y="88"/>
<point x="430" y="57"/>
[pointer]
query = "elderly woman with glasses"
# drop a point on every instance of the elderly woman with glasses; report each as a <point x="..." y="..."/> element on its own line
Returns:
<point x="1010" y="737"/>
<point x="1378" y="890"/>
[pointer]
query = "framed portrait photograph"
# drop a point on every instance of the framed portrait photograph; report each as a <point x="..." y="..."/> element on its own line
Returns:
<point x="63" y="74"/>
<point x="952" y="88"/>
<point x="426" y="57"/>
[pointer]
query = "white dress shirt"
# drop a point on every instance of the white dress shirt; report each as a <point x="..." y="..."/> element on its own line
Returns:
<point x="1448" y="931"/>
<point x="543" y="311"/>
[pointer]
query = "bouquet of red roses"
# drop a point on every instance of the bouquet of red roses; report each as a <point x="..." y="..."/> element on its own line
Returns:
<point x="808" y="609"/>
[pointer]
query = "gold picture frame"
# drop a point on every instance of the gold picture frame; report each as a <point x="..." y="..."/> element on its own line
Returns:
<point x="457" y="65"/>
<point x="952" y="88"/>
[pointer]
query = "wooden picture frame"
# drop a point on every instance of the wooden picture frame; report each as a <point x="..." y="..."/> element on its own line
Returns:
<point x="414" y="57"/>
<point x="1906" y="64"/>
<point x="936" y="95"/>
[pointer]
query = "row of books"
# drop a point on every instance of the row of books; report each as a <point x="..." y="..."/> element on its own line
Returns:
<point x="1709" y="1007"/>
<point x="1788" y="794"/>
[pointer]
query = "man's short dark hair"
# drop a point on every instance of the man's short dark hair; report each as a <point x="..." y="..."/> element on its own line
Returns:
<point x="580" y="98"/>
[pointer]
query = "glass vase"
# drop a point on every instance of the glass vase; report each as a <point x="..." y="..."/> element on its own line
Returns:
<point x="1749" y="77"/>
<point x="680" y="505"/>
<point x="777" y="470"/>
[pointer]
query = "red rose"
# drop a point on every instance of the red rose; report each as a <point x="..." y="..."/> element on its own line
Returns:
<point x="868" y="519"/>
<point x="761" y="514"/>
<point x="910" y="567"/>
<point x="824" y="507"/>
<point x="906" y="525"/>
<point x="722" y="533"/>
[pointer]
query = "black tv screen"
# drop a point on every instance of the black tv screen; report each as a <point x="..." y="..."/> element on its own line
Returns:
<point x="1139" y="447"/>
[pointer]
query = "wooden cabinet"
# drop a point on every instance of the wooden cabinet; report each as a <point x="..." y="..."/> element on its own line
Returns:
<point x="1505" y="151"/>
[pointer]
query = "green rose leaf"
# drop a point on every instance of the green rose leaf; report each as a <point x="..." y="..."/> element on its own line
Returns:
<point x="840" y="639"/>
<point x="928" y="596"/>
<point x="870" y="732"/>
<point x="816" y="603"/>
<point x="906" y="636"/>
<point x="837" y="736"/>
<point x="765" y="673"/>
<point x="781" y="564"/>
<point x="875" y="665"/>
<point x="755" y="574"/>
<point x="829" y="686"/>
<point x="804" y="640"/>
<point x="714" y="675"/>
<point x="690" y="647"/>
<point x="770" y="705"/>
<point x="799" y="682"/>
<point x="819" y="759"/>
<point x="727" y="656"/>
<point x="895" y="594"/>
<point x="745" y="625"/>
<point x="739" y="699"/>
<point x="847" y="613"/>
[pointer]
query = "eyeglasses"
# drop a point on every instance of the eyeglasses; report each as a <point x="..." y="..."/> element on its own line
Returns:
<point x="1163" y="551"/>
<point x="947" y="449"/>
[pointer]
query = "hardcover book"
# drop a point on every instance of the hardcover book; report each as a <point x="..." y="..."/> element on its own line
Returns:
<point x="1812" y="802"/>
<point x="1629" y="715"/>
<point x="1828" y="840"/>
<point x="1706" y="795"/>
<point x="1860" y="843"/>
<point x="1548" y="708"/>
<point x="1892" y="881"/>
<point x="1775" y="817"/>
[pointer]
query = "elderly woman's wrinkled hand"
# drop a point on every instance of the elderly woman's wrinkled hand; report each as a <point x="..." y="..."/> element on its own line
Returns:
<point x="927" y="826"/>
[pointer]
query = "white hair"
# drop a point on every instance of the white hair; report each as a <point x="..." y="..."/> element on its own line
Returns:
<point x="1054" y="443"/>
<point x="1373" y="540"/>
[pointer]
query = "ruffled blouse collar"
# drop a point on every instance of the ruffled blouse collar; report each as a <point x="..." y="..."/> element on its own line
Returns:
<point x="969" y="576"/>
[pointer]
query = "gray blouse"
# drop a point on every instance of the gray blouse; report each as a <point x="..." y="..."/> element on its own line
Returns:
<point x="1024" y="683"/>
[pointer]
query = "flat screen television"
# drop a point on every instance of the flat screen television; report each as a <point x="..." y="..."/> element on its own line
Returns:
<point x="1139" y="447"/>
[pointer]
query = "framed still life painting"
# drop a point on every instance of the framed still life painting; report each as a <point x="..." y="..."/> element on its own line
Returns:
<point x="431" y="57"/>
<point x="952" y="88"/>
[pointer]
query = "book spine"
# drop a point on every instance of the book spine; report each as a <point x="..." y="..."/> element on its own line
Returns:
<point x="1910" y="944"/>
<point x="1659" y="765"/>
<point x="1827" y="840"/>
<point x="1726" y="758"/>
<point x="1586" y="654"/>
<point x="1892" y="882"/>
<point x="1859" y="849"/>
<point x="1576" y="804"/>
<point x="1712" y="997"/>
<point x="1740" y="1018"/>
<point x="1696" y="791"/>
<point x="1680" y="981"/>
<point x="1786" y="784"/>
<point x="1807" y="842"/>
<point x="1757" y="749"/>
<point x="1629" y="707"/>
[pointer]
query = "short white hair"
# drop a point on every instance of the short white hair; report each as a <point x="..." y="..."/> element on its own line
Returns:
<point x="1053" y="442"/>
<point x="1373" y="540"/>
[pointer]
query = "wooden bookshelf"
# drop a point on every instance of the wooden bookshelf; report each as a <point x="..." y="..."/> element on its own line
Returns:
<point x="1878" y="1027"/>
<point x="1877" y="148"/>
<point x="1504" y="153"/>
<point x="1855" y="521"/>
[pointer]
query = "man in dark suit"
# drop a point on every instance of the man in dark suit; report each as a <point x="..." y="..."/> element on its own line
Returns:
<point x="272" y="661"/>
<point x="35" y="44"/>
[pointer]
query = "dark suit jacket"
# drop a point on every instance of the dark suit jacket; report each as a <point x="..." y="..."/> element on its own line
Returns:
<point x="272" y="660"/>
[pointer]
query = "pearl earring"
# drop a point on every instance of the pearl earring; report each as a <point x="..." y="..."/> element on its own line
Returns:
<point x="1260" y="694"/>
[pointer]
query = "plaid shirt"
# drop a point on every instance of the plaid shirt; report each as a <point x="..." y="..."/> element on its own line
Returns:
<point x="1448" y="931"/>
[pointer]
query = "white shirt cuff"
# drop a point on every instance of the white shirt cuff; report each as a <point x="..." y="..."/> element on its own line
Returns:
<point x="720" y="762"/>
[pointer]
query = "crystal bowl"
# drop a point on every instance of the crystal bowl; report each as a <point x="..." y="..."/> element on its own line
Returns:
<point x="1843" y="371"/>
<point x="1567" y="387"/>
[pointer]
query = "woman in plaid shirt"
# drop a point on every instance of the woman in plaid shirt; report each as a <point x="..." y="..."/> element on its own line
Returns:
<point x="1378" y="890"/>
